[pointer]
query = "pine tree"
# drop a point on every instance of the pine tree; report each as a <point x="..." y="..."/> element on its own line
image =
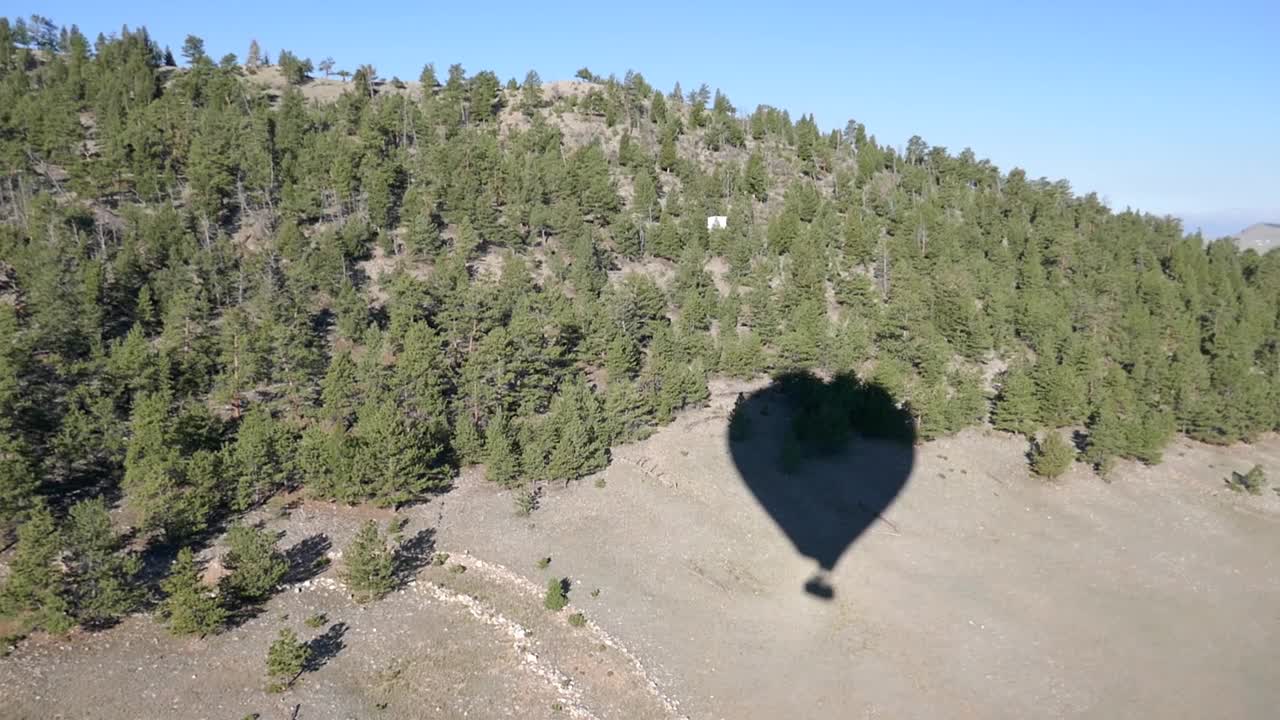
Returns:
<point x="34" y="586"/>
<point x="400" y="455"/>
<point x="502" y="460"/>
<point x="428" y="78"/>
<point x="1052" y="456"/>
<point x="483" y="95"/>
<point x="1107" y="437"/>
<point x="756" y="177"/>
<point x="18" y="482"/>
<point x="592" y="184"/>
<point x="369" y="567"/>
<point x="667" y="157"/>
<point x="531" y="94"/>
<point x="556" y="598"/>
<point x="1016" y="409"/>
<point x="628" y="412"/>
<point x="258" y="458"/>
<point x="287" y="657"/>
<point x="467" y="441"/>
<point x="189" y="608"/>
<point x="644" y="199"/>
<point x="256" y="566"/>
<point x="102" y="577"/>
<point x="623" y="358"/>
<point x="1058" y="394"/>
<point x="193" y="50"/>
<point x="569" y="459"/>
<point x="340" y="388"/>
<point x="579" y="447"/>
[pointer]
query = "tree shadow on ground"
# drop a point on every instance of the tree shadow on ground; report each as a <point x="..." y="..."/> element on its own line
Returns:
<point x="325" y="647"/>
<point x="413" y="555"/>
<point x="307" y="558"/>
<point x="240" y="613"/>
<point x="824" y="459"/>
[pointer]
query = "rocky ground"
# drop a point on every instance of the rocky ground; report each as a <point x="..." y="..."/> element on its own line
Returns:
<point x="981" y="592"/>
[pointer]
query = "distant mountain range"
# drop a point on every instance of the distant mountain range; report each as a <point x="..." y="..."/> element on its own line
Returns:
<point x="1259" y="236"/>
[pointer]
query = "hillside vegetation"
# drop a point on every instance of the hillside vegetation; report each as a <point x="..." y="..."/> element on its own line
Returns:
<point x="214" y="290"/>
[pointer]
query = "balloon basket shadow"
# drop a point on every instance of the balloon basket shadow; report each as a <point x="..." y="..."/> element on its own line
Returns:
<point x="818" y="587"/>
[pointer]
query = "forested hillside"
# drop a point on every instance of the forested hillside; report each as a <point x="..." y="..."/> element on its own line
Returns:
<point x="212" y="291"/>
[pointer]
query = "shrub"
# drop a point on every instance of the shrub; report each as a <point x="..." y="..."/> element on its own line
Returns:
<point x="1251" y="482"/>
<point x="577" y="619"/>
<point x="457" y="568"/>
<point x="543" y="563"/>
<point x="316" y="620"/>
<point x="397" y="525"/>
<point x="1052" y="456"/>
<point x="557" y="594"/>
<point x="440" y="559"/>
<point x="527" y="501"/>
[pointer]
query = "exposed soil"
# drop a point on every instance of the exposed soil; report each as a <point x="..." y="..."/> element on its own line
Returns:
<point x="981" y="592"/>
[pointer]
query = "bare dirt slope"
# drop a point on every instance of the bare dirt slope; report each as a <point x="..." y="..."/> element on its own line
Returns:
<point x="980" y="593"/>
<point x="1262" y="237"/>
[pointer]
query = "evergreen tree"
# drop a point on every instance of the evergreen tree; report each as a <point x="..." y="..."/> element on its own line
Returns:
<point x="294" y="69"/>
<point x="1058" y="394"/>
<point x="369" y="569"/>
<point x="556" y="598"/>
<point x="756" y="177"/>
<point x="531" y="94"/>
<point x="400" y="455"/>
<point x="258" y="458"/>
<point x="189" y="608"/>
<point x="256" y="566"/>
<point x="1052" y="456"/>
<point x="623" y="358"/>
<point x="483" y="95"/>
<point x="667" y="157"/>
<point x="18" y="482"/>
<point x="628" y="412"/>
<point x="644" y="199"/>
<point x="287" y="657"/>
<point x="1016" y="409"/>
<point x="35" y="587"/>
<point x="1107" y="437"/>
<point x="102" y="577"/>
<point x="578" y="448"/>
<point x="193" y="50"/>
<point x="501" y="456"/>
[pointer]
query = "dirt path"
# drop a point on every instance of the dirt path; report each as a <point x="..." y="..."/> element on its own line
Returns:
<point x="981" y="593"/>
<point x="448" y="644"/>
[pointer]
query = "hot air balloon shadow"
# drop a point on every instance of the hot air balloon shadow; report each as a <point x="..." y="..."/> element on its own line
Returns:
<point x="824" y="459"/>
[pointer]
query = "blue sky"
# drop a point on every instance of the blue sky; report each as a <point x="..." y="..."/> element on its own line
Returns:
<point x="1169" y="107"/>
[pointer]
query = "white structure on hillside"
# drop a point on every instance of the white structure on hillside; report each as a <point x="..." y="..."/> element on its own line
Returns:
<point x="717" y="222"/>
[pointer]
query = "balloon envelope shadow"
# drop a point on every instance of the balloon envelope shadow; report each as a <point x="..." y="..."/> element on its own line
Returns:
<point x="824" y="459"/>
